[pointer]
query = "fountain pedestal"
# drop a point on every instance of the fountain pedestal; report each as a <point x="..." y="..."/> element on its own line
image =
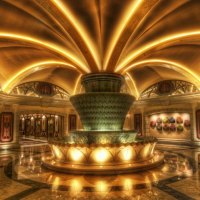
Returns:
<point x="103" y="147"/>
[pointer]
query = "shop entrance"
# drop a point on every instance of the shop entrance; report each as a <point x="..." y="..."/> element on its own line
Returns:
<point x="41" y="126"/>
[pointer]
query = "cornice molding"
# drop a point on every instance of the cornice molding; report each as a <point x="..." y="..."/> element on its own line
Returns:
<point x="33" y="101"/>
<point x="170" y="100"/>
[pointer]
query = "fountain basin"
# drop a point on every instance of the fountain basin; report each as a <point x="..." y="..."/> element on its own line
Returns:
<point x="101" y="158"/>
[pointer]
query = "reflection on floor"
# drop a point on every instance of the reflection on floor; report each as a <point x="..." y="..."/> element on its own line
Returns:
<point x="23" y="177"/>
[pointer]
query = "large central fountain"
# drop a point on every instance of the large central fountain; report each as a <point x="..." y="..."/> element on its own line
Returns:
<point x="103" y="147"/>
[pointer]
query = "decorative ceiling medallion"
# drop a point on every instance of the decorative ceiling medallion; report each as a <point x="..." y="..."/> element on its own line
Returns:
<point x="169" y="87"/>
<point x="42" y="89"/>
<point x="165" y="87"/>
<point x="45" y="89"/>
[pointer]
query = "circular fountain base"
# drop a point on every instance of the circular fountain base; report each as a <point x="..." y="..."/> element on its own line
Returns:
<point x="106" y="158"/>
<point x="112" y="169"/>
<point x="103" y="147"/>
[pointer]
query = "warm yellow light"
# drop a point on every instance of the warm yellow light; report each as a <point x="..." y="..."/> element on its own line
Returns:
<point x="101" y="155"/>
<point x="30" y="159"/>
<point x="77" y="83"/>
<point x="155" y="177"/>
<point x="101" y="186"/>
<point x="119" y="29"/>
<point x="134" y="86"/>
<point x="57" y="152"/>
<point x="128" y="184"/>
<point x="134" y="54"/>
<point x="127" y="153"/>
<point x="75" y="186"/>
<point x="171" y="65"/>
<point x="147" y="182"/>
<point x="146" y="151"/>
<point x="49" y="179"/>
<point x="56" y="183"/>
<point x="81" y="30"/>
<point x="30" y="69"/>
<point x="165" y="168"/>
<point x="48" y="45"/>
<point x="76" y="154"/>
<point x="152" y="149"/>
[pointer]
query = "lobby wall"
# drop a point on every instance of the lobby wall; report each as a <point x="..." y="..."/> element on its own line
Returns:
<point x="139" y="117"/>
<point x="170" y="125"/>
<point x="15" y="112"/>
<point x="156" y="116"/>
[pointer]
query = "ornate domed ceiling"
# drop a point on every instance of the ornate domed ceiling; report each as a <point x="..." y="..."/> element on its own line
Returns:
<point x="58" y="40"/>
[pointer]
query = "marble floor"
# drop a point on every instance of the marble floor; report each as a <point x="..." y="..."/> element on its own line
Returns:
<point x="23" y="177"/>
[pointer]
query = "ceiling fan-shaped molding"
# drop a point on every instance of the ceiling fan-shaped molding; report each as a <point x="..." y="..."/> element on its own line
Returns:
<point x="147" y="72"/>
<point x="38" y="67"/>
<point x="40" y="89"/>
<point x="95" y="36"/>
<point x="169" y="88"/>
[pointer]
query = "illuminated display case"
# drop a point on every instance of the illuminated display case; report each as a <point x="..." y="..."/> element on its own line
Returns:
<point x="170" y="125"/>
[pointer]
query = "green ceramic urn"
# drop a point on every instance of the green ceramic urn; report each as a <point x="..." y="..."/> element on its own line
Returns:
<point x="102" y="107"/>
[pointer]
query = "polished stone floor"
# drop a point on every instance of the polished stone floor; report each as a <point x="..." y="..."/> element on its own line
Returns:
<point x="23" y="177"/>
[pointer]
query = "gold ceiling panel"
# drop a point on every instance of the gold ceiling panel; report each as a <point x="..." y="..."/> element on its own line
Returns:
<point x="58" y="40"/>
<point x="153" y="74"/>
<point x="56" y="74"/>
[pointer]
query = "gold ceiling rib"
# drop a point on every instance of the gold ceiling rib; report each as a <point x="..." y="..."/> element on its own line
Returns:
<point x="31" y="19"/>
<point x="133" y="88"/>
<point x="162" y="9"/>
<point x="175" y="37"/>
<point x="47" y="45"/>
<point x="57" y="28"/>
<point x="119" y="29"/>
<point x="11" y="43"/>
<point x="126" y="28"/>
<point x="74" y="28"/>
<point x="77" y="84"/>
